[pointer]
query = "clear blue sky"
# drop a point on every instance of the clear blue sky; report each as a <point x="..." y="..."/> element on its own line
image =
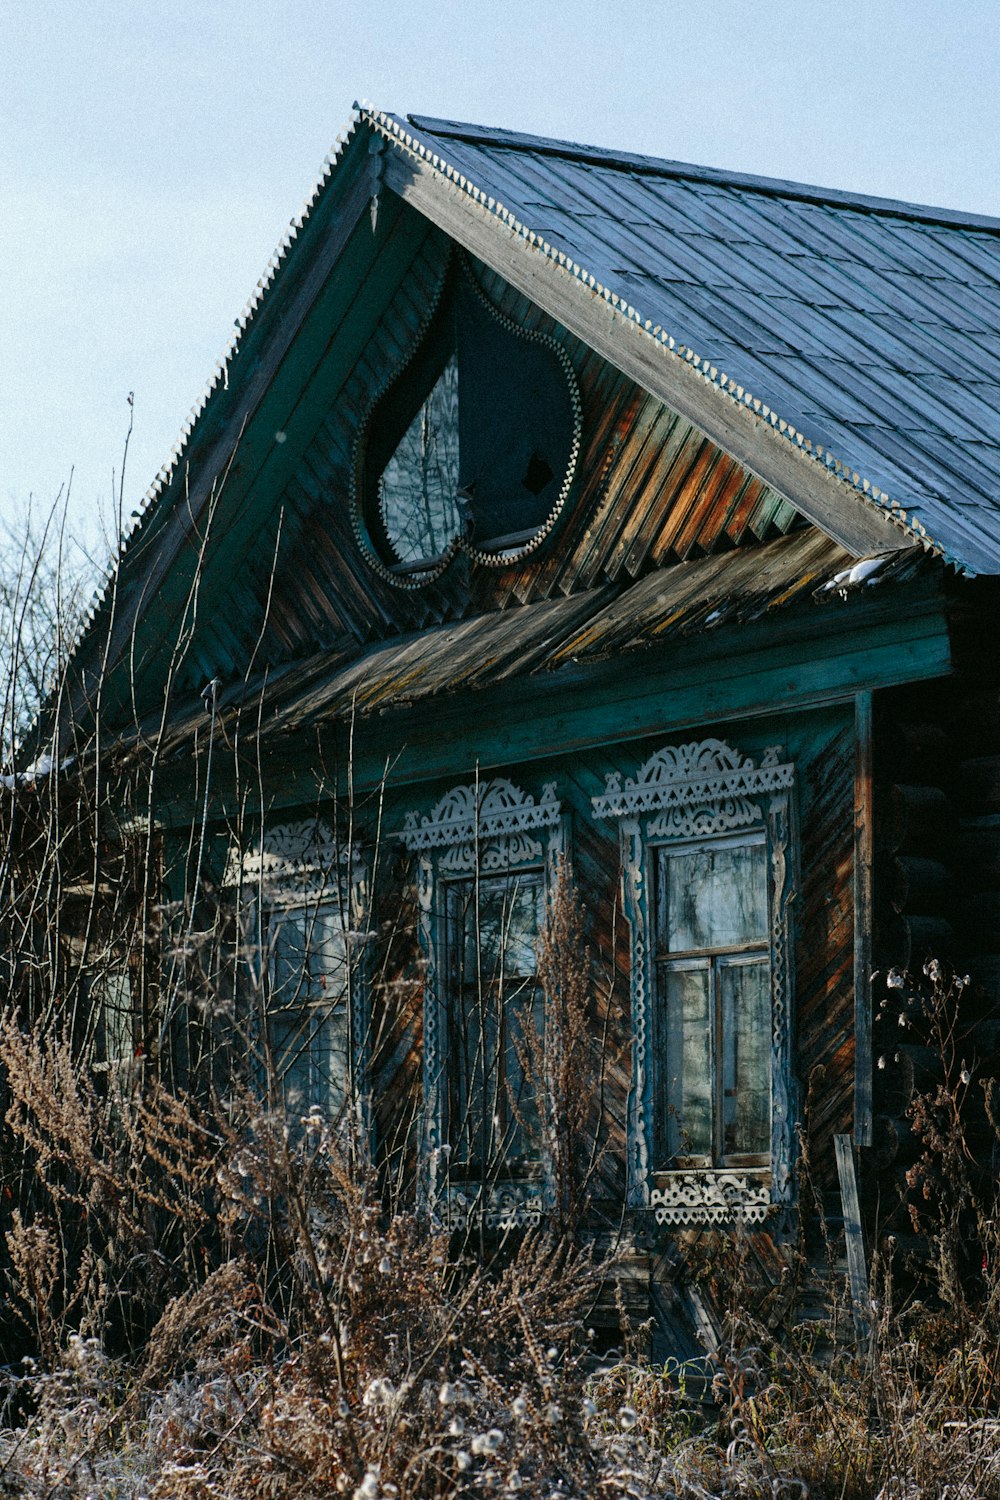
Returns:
<point x="151" y="155"/>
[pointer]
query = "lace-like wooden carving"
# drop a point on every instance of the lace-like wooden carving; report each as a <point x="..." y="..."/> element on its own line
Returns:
<point x="293" y="860"/>
<point x="697" y="791"/>
<point x="501" y="1205"/>
<point x="495" y="820"/>
<point x="711" y="1198"/>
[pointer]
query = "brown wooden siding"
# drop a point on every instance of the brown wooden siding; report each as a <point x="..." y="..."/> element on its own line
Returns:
<point x="650" y="491"/>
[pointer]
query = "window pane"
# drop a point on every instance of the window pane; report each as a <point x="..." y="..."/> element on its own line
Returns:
<point x="714" y="897"/>
<point x="308" y="1009"/>
<point x="419" y="485"/>
<point x="492" y="931"/>
<point x="686" y="1056"/>
<point x="746" y="1010"/>
<point x="502" y="943"/>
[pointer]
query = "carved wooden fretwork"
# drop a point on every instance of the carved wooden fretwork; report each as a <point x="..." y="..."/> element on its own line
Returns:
<point x="501" y="1205"/>
<point x="291" y="861"/>
<point x="697" y="790"/>
<point x="711" y="1198"/>
<point x="497" y="828"/>
<point x="491" y="825"/>
<point x="694" y="792"/>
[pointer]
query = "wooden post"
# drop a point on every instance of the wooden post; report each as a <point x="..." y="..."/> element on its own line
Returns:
<point x="857" y="1269"/>
<point x="863" y="844"/>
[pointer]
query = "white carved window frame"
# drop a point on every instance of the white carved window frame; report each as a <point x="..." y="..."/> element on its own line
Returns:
<point x="302" y="864"/>
<point x="494" y="828"/>
<point x="702" y="791"/>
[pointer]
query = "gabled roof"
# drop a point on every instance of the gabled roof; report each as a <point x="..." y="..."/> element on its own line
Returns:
<point x="845" y="350"/>
<point x="862" y="330"/>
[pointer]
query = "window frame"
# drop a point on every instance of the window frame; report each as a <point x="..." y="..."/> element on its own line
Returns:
<point x="302" y="866"/>
<point x="696" y="795"/>
<point x="482" y="831"/>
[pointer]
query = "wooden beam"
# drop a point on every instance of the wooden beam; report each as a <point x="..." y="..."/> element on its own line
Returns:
<point x="863" y="855"/>
<point x="835" y="506"/>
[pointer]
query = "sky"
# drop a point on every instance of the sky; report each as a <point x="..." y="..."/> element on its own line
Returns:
<point x="153" y="153"/>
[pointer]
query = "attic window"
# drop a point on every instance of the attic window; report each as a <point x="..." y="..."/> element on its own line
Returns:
<point x="472" y="446"/>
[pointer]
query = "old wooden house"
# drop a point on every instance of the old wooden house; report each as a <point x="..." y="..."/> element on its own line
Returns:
<point x="559" y="514"/>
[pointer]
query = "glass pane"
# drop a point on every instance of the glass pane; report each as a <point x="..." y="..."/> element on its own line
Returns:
<point x="492" y="931"/>
<point x="418" y="491"/>
<point x="525" y="1042"/>
<point x="308" y="1009"/>
<point x="474" y="1076"/>
<point x="309" y="1053"/>
<point x="308" y="955"/>
<point x="714" y="897"/>
<point x="746" y="1029"/>
<point x="502" y="943"/>
<point x="686" y="1057"/>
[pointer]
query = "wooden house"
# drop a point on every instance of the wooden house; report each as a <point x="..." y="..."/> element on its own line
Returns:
<point x="558" y="512"/>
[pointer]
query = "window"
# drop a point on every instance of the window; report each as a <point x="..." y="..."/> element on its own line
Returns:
<point x="307" y="1006"/>
<point x="486" y="854"/>
<point x="471" y="447"/>
<point x="495" y="1021"/>
<point x="707" y="859"/>
<point x="111" y="997"/>
<point x="301" y="900"/>
<point x="713" y="1054"/>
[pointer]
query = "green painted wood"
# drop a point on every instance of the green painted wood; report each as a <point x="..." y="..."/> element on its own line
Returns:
<point x="772" y="668"/>
<point x="296" y="400"/>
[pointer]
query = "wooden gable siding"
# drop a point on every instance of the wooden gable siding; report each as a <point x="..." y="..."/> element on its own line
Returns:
<point x="650" y="490"/>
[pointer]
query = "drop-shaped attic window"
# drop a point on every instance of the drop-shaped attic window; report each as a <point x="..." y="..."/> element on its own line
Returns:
<point x="471" y="449"/>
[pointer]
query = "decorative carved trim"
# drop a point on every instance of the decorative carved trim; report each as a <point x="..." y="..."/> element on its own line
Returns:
<point x="502" y="1205"/>
<point x="702" y="790"/>
<point x="494" y="820"/>
<point x="698" y="789"/>
<point x="711" y="1198"/>
<point x="298" y="859"/>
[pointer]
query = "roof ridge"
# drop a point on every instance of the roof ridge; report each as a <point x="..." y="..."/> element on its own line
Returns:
<point x="776" y="187"/>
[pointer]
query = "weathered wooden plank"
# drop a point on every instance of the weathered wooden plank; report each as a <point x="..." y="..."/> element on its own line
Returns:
<point x="856" y="1265"/>
<point x="697" y="681"/>
<point x="841" y="511"/>
<point x="174" y="535"/>
<point x="864" y="839"/>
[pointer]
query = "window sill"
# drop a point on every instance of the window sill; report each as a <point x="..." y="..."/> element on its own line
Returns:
<point x="707" y="1195"/>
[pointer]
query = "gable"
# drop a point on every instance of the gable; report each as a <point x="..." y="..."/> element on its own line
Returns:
<point x="647" y="490"/>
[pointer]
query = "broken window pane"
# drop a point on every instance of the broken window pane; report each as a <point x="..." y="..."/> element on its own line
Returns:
<point x="418" y="491"/>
